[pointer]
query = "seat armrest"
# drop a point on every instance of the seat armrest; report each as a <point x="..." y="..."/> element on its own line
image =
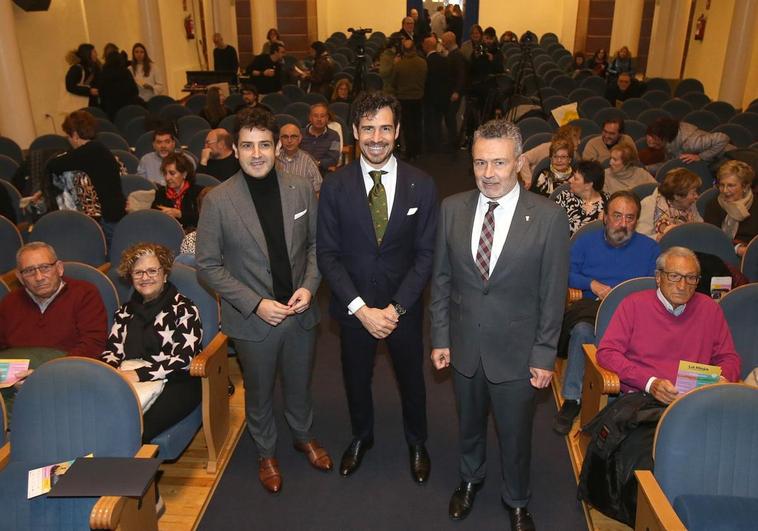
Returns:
<point x="5" y="449"/>
<point x="127" y="514"/>
<point x="573" y="295"/>
<point x="597" y="385"/>
<point x="654" y="512"/>
<point x="5" y="454"/>
<point x="212" y="365"/>
<point x="104" y="268"/>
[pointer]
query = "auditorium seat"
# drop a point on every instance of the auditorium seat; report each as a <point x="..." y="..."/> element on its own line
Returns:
<point x="705" y="197"/>
<point x="15" y="197"/>
<point x="677" y="108"/>
<point x="203" y="179"/>
<point x="749" y="263"/>
<point x="195" y="103"/>
<point x="532" y="126"/>
<point x="229" y="123"/>
<point x="112" y="140"/>
<point x="196" y="144"/>
<point x="9" y="148"/>
<point x="656" y="98"/>
<point x="703" y="238"/>
<point x="738" y="135"/>
<point x="748" y="120"/>
<point x="651" y="115"/>
<point x="134" y="129"/>
<point x="8" y="168"/>
<point x="634" y="106"/>
<point x="293" y="92"/>
<point x="698" y="100"/>
<point x="73" y="235"/>
<point x="157" y="102"/>
<point x="144" y="144"/>
<point x="724" y="110"/>
<point x="635" y="129"/>
<point x="275" y="101"/>
<point x="658" y="83"/>
<point x="50" y="142"/>
<point x="173" y="111"/>
<point x="609" y="113"/>
<point x="126" y="114"/>
<point x="300" y="110"/>
<point x="132" y="182"/>
<point x="702" y="119"/>
<point x="688" y="85"/>
<point x="108" y="293"/>
<point x="10" y="242"/>
<point x="188" y="126"/>
<point x="127" y="159"/>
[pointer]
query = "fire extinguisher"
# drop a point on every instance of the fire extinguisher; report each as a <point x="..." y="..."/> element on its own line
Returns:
<point x="700" y="28"/>
<point x="189" y="27"/>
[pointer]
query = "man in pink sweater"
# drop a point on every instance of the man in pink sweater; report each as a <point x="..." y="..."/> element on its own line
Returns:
<point x="651" y="331"/>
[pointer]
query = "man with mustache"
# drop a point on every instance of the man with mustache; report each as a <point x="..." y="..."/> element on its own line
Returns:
<point x="375" y="241"/>
<point x="599" y="261"/>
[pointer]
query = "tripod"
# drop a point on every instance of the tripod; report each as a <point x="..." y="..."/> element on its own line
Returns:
<point x="519" y="93"/>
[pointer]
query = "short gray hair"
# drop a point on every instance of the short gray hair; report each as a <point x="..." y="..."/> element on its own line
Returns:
<point x="679" y="252"/>
<point x="502" y="129"/>
<point x="34" y="246"/>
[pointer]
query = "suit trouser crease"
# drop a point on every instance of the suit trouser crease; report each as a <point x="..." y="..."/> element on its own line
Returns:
<point x="582" y="333"/>
<point x="513" y="405"/>
<point x="406" y="353"/>
<point x="288" y="348"/>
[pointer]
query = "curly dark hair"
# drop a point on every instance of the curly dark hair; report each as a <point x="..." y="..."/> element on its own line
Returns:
<point x="182" y="164"/>
<point x="369" y="103"/>
<point x="257" y="118"/>
<point x="664" y="128"/>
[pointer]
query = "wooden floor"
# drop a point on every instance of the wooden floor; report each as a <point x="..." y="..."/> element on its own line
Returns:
<point x="596" y="521"/>
<point x="185" y="485"/>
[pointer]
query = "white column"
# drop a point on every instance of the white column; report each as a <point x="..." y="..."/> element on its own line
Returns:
<point x="668" y="38"/>
<point x="738" y="52"/>
<point x="627" y="22"/>
<point x="263" y="13"/>
<point x="16" y="120"/>
<point x="150" y="19"/>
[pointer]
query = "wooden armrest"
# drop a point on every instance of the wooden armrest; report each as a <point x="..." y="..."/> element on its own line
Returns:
<point x="10" y="279"/>
<point x="654" y="512"/>
<point x="5" y="454"/>
<point x="126" y="514"/>
<point x="212" y="365"/>
<point x="597" y="385"/>
<point x="573" y="295"/>
<point x="104" y="268"/>
<point x="5" y="449"/>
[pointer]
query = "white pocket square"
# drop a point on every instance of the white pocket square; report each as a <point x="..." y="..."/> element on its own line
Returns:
<point x="301" y="214"/>
<point x="412" y="211"/>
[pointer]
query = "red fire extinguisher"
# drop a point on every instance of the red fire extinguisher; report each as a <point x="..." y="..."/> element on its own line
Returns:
<point x="189" y="27"/>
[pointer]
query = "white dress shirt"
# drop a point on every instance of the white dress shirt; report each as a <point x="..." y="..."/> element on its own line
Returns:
<point x="389" y="180"/>
<point x="503" y="216"/>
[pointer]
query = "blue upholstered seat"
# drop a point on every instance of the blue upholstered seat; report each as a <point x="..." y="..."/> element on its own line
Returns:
<point x="73" y="235"/>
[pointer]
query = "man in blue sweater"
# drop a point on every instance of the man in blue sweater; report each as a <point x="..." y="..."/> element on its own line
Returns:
<point x="599" y="261"/>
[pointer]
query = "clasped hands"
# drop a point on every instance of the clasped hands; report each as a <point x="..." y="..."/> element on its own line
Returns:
<point x="274" y="312"/>
<point x="380" y="322"/>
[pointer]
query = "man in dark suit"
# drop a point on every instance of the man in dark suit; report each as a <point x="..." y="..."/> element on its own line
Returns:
<point x="436" y="94"/>
<point x="377" y="220"/>
<point x="498" y="289"/>
<point x="256" y="247"/>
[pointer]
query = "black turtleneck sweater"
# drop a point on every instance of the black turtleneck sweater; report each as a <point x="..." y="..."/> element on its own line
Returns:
<point x="268" y="204"/>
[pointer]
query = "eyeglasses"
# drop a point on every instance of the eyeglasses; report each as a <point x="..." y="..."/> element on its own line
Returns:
<point x="560" y="157"/>
<point x="692" y="280"/>
<point x="42" y="268"/>
<point x="138" y="274"/>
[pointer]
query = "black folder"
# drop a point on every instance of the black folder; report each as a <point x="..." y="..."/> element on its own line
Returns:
<point x="106" y="476"/>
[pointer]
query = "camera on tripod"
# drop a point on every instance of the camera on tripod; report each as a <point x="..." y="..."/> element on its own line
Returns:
<point x="360" y="31"/>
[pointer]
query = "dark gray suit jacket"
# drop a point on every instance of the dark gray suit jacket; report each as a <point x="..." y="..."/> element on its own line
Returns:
<point x="512" y="321"/>
<point x="232" y="256"/>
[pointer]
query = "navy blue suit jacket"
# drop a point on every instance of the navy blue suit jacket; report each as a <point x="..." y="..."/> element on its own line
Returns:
<point x="349" y="257"/>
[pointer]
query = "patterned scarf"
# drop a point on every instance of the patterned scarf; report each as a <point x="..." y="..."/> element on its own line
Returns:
<point x="667" y="215"/>
<point x="736" y="211"/>
<point x="177" y="197"/>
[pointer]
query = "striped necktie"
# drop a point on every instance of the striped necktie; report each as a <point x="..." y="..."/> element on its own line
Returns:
<point x="484" y="251"/>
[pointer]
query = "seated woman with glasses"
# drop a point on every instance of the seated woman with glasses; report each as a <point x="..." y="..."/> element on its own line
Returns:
<point x="154" y="337"/>
<point x="559" y="171"/>
<point x="178" y="198"/>
<point x="734" y="208"/>
<point x="671" y="204"/>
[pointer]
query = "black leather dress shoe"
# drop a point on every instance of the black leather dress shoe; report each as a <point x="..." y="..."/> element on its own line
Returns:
<point x="462" y="500"/>
<point x="353" y="456"/>
<point x="420" y="463"/>
<point x="521" y="518"/>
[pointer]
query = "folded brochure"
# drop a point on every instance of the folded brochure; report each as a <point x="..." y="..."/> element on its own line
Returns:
<point x="692" y="375"/>
<point x="41" y="480"/>
<point x="10" y="369"/>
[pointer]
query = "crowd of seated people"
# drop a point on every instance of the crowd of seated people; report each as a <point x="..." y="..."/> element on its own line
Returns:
<point x="625" y="248"/>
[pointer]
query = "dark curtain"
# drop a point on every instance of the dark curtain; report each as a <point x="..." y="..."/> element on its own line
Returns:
<point x="470" y="16"/>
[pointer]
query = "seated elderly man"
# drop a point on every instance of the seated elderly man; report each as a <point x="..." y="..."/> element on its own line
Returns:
<point x="599" y="261"/>
<point x="293" y="160"/>
<point x="217" y="158"/>
<point x="322" y="143"/>
<point x="51" y="310"/>
<point x="164" y="143"/>
<point x="651" y="331"/>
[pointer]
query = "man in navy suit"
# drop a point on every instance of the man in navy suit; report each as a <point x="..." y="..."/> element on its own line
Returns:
<point x="375" y="242"/>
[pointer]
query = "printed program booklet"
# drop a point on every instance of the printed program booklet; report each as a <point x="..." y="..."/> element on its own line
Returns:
<point x="41" y="480"/>
<point x="10" y="370"/>
<point x="692" y="375"/>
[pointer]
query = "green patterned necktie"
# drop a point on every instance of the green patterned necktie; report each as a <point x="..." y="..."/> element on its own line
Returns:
<point x="377" y="202"/>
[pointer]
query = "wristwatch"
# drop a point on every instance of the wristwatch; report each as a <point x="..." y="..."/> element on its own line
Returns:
<point x="399" y="308"/>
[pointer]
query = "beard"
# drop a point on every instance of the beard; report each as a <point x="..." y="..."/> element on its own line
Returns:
<point x="619" y="236"/>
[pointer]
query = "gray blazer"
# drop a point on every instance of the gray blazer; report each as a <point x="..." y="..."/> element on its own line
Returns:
<point x="232" y="257"/>
<point x="512" y="321"/>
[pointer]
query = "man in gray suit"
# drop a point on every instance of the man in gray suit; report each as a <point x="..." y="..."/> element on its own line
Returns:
<point x="498" y="289"/>
<point x="256" y="247"/>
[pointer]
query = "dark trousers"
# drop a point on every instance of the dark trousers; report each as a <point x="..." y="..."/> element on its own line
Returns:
<point x="407" y="354"/>
<point x="513" y="406"/>
<point x="433" y="116"/>
<point x="410" y="126"/>
<point x="451" y="124"/>
<point x="178" y="399"/>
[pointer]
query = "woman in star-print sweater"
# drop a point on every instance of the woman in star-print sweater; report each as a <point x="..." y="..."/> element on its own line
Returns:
<point x="161" y="328"/>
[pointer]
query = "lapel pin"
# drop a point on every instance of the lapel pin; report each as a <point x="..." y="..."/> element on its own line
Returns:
<point x="526" y="217"/>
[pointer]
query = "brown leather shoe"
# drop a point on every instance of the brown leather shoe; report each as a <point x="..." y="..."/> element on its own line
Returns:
<point x="268" y="473"/>
<point x="317" y="456"/>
